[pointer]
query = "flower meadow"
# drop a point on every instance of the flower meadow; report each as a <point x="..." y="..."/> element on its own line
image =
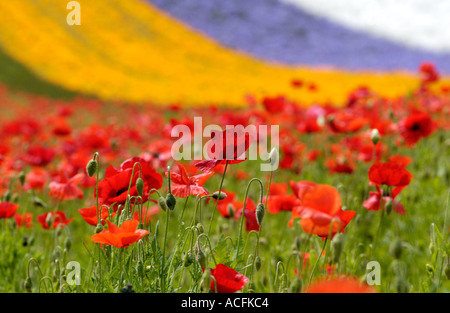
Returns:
<point x="92" y="200"/>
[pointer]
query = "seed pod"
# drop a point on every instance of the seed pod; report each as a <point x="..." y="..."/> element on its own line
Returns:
<point x="91" y="168"/>
<point x="219" y="195"/>
<point x="162" y="204"/>
<point x="171" y="201"/>
<point x="257" y="263"/>
<point x="396" y="248"/>
<point x="375" y="136"/>
<point x="140" y="186"/>
<point x="260" y="210"/>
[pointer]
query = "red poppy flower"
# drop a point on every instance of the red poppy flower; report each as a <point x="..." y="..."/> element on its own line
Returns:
<point x="89" y="214"/>
<point x="279" y="200"/>
<point x="390" y="174"/>
<point x="120" y="237"/>
<point x="229" y="146"/>
<point x="227" y="279"/>
<point x="416" y="126"/>
<point x="38" y="156"/>
<point x="227" y="206"/>
<point x="24" y="220"/>
<point x="374" y="201"/>
<point x="345" y="122"/>
<point x="183" y="186"/>
<point x="7" y="209"/>
<point x="67" y="190"/>
<point x="320" y="205"/>
<point x="250" y="215"/>
<point x="57" y="218"/>
<point x="36" y="179"/>
<point x="428" y="73"/>
<point x="114" y="187"/>
<point x="339" y="285"/>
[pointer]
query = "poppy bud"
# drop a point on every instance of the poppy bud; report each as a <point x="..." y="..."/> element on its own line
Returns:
<point x="296" y="285"/>
<point x="388" y="206"/>
<point x="375" y="136"/>
<point x="31" y="240"/>
<point x="200" y="228"/>
<point x="219" y="195"/>
<point x="39" y="202"/>
<point x="140" y="186"/>
<point x="273" y="156"/>
<point x="22" y="177"/>
<point x="91" y="168"/>
<point x="257" y="263"/>
<point x="28" y="284"/>
<point x="189" y="259"/>
<point x="162" y="204"/>
<point x="336" y="247"/>
<point x="260" y="210"/>
<point x="59" y="230"/>
<point x="68" y="243"/>
<point x="99" y="228"/>
<point x="396" y="248"/>
<point x="230" y="210"/>
<point x="171" y="201"/>
<point x="201" y="257"/>
<point x="298" y="243"/>
<point x="7" y="195"/>
<point x="430" y="269"/>
<point x="49" y="220"/>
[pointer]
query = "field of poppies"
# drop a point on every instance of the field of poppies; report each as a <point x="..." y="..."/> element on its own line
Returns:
<point x="92" y="201"/>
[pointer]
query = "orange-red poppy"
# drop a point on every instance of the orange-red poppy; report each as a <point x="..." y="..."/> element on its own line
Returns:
<point x="227" y="279"/>
<point x="183" y="185"/>
<point x="7" y="209"/>
<point x="56" y="217"/>
<point x="339" y="285"/>
<point x="120" y="237"/>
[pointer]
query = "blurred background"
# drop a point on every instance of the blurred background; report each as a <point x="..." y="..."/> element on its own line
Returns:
<point x="202" y="52"/>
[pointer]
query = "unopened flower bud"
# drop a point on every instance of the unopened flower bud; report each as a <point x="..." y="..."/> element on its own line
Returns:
<point x="219" y="195"/>
<point x="22" y="177"/>
<point x="68" y="243"/>
<point x="99" y="228"/>
<point x="28" y="284"/>
<point x="200" y="228"/>
<point x="189" y="259"/>
<point x="260" y="210"/>
<point x="206" y="280"/>
<point x="49" y="220"/>
<point x="128" y="289"/>
<point x="375" y="136"/>
<point x="257" y="263"/>
<point x="171" y="201"/>
<point x="140" y="186"/>
<point x="162" y="204"/>
<point x="230" y="210"/>
<point x="91" y="168"/>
